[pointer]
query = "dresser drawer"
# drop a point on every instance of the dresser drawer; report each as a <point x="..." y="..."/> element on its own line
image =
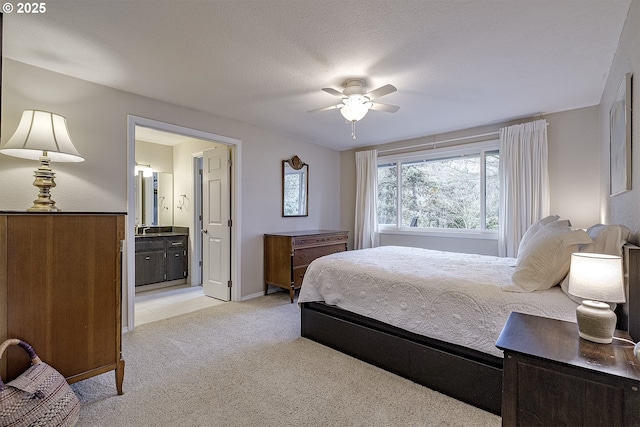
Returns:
<point x="319" y="240"/>
<point x="305" y="256"/>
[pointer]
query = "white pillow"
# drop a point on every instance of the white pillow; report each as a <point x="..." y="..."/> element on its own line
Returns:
<point x="546" y="258"/>
<point x="533" y="229"/>
<point x="607" y="239"/>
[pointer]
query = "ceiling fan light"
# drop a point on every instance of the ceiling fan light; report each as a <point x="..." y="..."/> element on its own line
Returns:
<point x="354" y="111"/>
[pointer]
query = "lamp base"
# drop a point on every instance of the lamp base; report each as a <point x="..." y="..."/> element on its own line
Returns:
<point x="596" y="321"/>
<point x="44" y="181"/>
<point x="42" y="206"/>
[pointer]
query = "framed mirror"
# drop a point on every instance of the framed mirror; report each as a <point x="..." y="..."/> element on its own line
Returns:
<point x="295" y="187"/>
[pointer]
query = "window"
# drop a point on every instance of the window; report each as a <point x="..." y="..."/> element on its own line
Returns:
<point x="449" y="188"/>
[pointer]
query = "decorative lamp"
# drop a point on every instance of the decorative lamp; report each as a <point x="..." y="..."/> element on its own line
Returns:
<point x="597" y="278"/>
<point x="45" y="137"/>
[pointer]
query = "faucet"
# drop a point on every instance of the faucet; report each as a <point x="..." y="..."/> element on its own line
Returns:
<point x="144" y="230"/>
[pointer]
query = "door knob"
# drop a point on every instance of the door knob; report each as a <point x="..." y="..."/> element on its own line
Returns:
<point x="204" y="231"/>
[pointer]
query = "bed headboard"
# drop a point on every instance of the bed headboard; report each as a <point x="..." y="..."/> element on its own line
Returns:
<point x="629" y="312"/>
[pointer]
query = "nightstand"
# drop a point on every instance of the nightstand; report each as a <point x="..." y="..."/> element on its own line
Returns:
<point x="553" y="377"/>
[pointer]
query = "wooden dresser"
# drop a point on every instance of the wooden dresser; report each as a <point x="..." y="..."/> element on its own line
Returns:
<point x="287" y="255"/>
<point x="60" y="291"/>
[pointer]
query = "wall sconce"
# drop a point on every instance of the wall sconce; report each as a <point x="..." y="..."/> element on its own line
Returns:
<point x="146" y="170"/>
<point x="45" y="137"/>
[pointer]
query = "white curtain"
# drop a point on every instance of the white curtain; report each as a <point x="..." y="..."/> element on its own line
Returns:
<point x="366" y="221"/>
<point x="524" y="180"/>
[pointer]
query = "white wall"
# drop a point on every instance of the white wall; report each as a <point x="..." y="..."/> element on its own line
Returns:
<point x="159" y="156"/>
<point x="265" y="213"/>
<point x="623" y="208"/>
<point x="183" y="182"/>
<point x="574" y="165"/>
<point x="97" y="118"/>
<point x="574" y="176"/>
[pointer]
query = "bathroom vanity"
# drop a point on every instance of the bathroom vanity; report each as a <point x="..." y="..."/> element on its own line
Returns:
<point x="161" y="256"/>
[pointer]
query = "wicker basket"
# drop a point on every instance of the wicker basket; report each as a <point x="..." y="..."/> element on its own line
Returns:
<point x="40" y="396"/>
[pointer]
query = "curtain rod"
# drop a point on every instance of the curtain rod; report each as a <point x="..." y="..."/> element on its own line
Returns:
<point x="439" y="142"/>
<point x="445" y="141"/>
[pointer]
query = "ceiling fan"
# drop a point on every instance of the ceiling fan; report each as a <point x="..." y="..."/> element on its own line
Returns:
<point x="356" y="102"/>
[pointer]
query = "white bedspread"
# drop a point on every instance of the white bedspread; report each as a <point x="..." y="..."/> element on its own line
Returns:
<point x="453" y="297"/>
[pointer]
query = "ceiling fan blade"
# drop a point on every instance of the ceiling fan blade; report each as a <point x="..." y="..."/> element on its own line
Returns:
<point x="333" y="92"/>
<point x="331" y="107"/>
<point x="384" y="107"/>
<point x="381" y="91"/>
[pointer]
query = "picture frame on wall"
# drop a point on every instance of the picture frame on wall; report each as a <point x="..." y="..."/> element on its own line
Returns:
<point x="620" y="139"/>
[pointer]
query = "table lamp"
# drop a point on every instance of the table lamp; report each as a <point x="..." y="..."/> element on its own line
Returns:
<point x="597" y="278"/>
<point x="42" y="136"/>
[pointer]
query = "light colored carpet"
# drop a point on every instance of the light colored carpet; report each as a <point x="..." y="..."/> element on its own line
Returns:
<point x="245" y="364"/>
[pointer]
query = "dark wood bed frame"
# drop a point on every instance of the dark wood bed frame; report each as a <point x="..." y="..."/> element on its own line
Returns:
<point x="462" y="373"/>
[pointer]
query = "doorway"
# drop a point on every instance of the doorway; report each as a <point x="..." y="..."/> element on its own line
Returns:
<point x="186" y="196"/>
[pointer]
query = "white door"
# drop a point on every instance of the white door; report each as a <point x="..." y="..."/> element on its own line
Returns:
<point x="216" y="229"/>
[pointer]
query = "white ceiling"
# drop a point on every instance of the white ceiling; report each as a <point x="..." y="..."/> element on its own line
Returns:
<point x="456" y="63"/>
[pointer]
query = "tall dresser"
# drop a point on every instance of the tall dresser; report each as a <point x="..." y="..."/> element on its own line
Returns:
<point x="60" y="291"/>
<point x="287" y="255"/>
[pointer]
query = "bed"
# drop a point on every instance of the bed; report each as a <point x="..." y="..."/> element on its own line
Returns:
<point x="432" y="316"/>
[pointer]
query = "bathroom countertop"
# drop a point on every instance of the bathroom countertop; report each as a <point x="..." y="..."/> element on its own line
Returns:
<point x="161" y="234"/>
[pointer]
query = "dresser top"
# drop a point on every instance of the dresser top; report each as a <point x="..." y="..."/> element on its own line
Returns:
<point x="558" y="341"/>
<point x="305" y="233"/>
<point x="59" y="213"/>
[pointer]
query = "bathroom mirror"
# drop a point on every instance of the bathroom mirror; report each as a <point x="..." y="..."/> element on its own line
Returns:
<point x="154" y="194"/>
<point x="295" y="187"/>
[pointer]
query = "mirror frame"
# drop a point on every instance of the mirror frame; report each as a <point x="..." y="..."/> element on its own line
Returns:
<point x="296" y="164"/>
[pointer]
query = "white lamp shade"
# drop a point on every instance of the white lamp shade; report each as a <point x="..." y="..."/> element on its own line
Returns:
<point x="355" y="110"/>
<point x="596" y="277"/>
<point x="40" y="131"/>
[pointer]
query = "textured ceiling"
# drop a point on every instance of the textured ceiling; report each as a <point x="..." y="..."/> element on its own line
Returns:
<point x="456" y="63"/>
